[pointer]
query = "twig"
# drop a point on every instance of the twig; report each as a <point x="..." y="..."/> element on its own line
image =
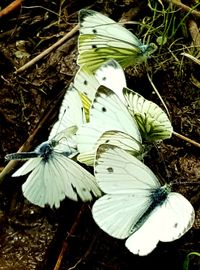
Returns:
<point x="72" y="231"/>
<point x="186" y="139"/>
<point x="13" y="6"/>
<point x="47" y="51"/>
<point x="9" y="168"/>
<point x="87" y="253"/>
<point x="174" y="132"/>
<point x="184" y="7"/>
<point x="158" y="94"/>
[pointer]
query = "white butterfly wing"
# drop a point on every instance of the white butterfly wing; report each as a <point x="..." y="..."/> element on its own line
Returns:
<point x="71" y="112"/>
<point x="95" y="23"/>
<point x="153" y="121"/>
<point x="112" y="76"/>
<point x="122" y="140"/>
<point x="86" y="83"/>
<point x="146" y="238"/>
<point x="166" y="223"/>
<point x="114" y="137"/>
<point x="177" y="217"/>
<point x="118" y="172"/>
<point x="107" y="113"/>
<point x="102" y="39"/>
<point x="27" y="167"/>
<point x="65" y="141"/>
<point x="50" y="182"/>
<point x="116" y="214"/>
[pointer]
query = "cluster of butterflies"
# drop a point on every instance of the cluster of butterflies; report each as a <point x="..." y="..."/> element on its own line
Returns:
<point x="104" y="124"/>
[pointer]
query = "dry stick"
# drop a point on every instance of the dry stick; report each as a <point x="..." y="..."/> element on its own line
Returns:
<point x="13" y="6"/>
<point x="184" y="7"/>
<point x="174" y="132"/>
<point x="72" y="231"/>
<point x="28" y="144"/>
<point x="186" y="139"/>
<point x="158" y="94"/>
<point x="47" y="51"/>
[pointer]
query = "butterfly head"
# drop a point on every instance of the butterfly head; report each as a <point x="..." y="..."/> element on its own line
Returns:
<point x="148" y="49"/>
<point x="45" y="150"/>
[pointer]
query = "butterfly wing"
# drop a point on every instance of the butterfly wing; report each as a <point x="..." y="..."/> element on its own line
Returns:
<point x="112" y="76"/>
<point x="166" y="223"/>
<point x="118" y="172"/>
<point x="107" y="113"/>
<point x="122" y="140"/>
<point x="27" y="167"/>
<point x="71" y="112"/>
<point x="128" y="183"/>
<point x="86" y="83"/>
<point x="102" y="39"/>
<point x="50" y="182"/>
<point x="116" y="214"/>
<point x="153" y="122"/>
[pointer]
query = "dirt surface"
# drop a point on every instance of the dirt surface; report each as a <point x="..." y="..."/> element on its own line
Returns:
<point x="31" y="237"/>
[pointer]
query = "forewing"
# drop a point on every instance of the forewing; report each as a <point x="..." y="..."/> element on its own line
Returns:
<point x="50" y="182"/>
<point x="27" y="167"/>
<point x="102" y="39"/>
<point x="92" y="22"/>
<point x="153" y="122"/>
<point x="118" y="172"/>
<point x="112" y="76"/>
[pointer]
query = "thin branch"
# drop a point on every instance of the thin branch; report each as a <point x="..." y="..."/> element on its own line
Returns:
<point x="158" y="94"/>
<point x="47" y="51"/>
<point x="186" y="139"/>
<point x="72" y="231"/>
<point x="10" y="8"/>
<point x="184" y="7"/>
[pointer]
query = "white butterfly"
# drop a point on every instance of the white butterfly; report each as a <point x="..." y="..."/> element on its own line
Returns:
<point x="136" y="205"/>
<point x="107" y="112"/>
<point x="54" y="175"/>
<point x="102" y="39"/>
<point x="153" y="122"/>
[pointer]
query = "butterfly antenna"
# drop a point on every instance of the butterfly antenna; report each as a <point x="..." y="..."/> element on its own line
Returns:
<point x="158" y="94"/>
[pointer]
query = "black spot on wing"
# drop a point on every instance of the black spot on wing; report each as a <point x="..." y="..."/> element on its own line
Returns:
<point x="85" y="82"/>
<point x="103" y="109"/>
<point x="94" y="46"/>
<point x="94" y="31"/>
<point x="110" y="169"/>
